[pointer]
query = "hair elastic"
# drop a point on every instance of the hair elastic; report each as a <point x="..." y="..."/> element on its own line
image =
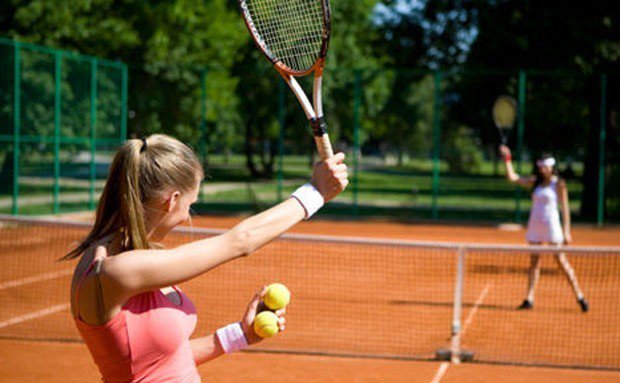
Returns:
<point x="144" y="146"/>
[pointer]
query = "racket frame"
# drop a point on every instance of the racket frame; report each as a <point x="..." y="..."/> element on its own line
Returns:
<point x="314" y="109"/>
<point x="504" y="130"/>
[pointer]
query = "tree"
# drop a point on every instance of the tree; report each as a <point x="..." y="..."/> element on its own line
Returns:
<point x="165" y="43"/>
<point x="562" y="110"/>
<point x="351" y="48"/>
<point x="419" y="37"/>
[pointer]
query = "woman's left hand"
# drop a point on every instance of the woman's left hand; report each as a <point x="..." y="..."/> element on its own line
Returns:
<point x="567" y="237"/>
<point x="247" y="324"/>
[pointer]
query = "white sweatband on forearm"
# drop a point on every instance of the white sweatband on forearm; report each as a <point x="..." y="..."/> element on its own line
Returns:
<point x="232" y="338"/>
<point x="309" y="198"/>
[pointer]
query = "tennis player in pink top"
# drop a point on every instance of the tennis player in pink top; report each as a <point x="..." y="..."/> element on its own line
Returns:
<point x="136" y="323"/>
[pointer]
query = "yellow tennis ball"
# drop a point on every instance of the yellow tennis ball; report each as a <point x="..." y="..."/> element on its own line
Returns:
<point x="266" y="324"/>
<point x="277" y="296"/>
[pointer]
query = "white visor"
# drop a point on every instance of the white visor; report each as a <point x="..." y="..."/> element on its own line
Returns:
<point x="546" y="162"/>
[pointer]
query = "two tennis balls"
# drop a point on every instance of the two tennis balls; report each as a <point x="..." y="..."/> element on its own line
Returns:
<point x="276" y="298"/>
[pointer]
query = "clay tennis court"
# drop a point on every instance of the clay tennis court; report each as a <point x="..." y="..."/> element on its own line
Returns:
<point x="405" y="321"/>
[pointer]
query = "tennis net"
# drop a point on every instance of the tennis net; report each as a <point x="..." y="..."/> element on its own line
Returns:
<point x="356" y="297"/>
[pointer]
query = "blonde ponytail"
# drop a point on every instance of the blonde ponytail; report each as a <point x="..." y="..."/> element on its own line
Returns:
<point x="140" y="170"/>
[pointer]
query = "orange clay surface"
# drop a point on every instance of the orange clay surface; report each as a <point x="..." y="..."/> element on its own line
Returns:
<point x="28" y="361"/>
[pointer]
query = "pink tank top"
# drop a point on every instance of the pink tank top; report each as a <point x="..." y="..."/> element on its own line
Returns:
<point x="147" y="341"/>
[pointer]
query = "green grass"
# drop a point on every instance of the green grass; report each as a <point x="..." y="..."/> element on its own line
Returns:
<point x="405" y="192"/>
<point x="387" y="190"/>
<point x="47" y="209"/>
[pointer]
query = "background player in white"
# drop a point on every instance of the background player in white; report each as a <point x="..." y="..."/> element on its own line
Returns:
<point x="544" y="223"/>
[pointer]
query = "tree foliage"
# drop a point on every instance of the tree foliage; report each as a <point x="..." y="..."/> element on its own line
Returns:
<point x="390" y="46"/>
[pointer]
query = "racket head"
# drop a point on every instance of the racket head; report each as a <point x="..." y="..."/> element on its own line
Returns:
<point x="292" y="34"/>
<point x="504" y="112"/>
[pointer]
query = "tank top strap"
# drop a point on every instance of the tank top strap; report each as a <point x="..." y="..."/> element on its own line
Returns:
<point x="96" y="266"/>
<point x="179" y="294"/>
<point x="554" y="181"/>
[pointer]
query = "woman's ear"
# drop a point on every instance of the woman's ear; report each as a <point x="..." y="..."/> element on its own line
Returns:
<point x="172" y="201"/>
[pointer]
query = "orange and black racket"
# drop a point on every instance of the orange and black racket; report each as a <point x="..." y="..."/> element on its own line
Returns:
<point x="294" y="35"/>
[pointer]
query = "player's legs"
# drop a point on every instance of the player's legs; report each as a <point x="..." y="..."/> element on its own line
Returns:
<point x="572" y="280"/>
<point x="533" y="276"/>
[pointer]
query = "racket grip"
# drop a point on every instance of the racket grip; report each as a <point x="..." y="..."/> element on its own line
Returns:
<point x="319" y="129"/>
<point x="324" y="146"/>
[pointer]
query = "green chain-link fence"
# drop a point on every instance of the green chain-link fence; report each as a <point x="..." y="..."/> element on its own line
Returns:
<point x="421" y="144"/>
<point x="425" y="141"/>
<point x="61" y="115"/>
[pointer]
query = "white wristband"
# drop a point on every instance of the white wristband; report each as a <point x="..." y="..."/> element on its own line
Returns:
<point x="309" y="198"/>
<point x="232" y="338"/>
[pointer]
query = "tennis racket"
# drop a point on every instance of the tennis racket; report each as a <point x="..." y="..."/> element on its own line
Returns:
<point x="294" y="36"/>
<point x="504" y="116"/>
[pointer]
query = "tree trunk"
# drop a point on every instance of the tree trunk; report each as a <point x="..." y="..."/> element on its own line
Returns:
<point x="6" y="174"/>
<point x="495" y="162"/>
<point x="311" y="153"/>
<point x="249" y="151"/>
<point x="265" y="154"/>
<point x="267" y="157"/>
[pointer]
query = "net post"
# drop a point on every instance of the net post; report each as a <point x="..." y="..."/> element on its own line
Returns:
<point x="16" y="123"/>
<point x="57" y="115"/>
<point x="455" y="333"/>
<point x="520" y="130"/>
<point x="356" y="138"/>
<point x="282" y="123"/>
<point x="601" y="159"/>
<point x="93" y="123"/>
<point x="436" y="143"/>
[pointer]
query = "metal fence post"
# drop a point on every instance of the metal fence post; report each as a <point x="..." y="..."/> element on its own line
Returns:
<point x="520" y="131"/>
<point x="16" y="123"/>
<point x="601" y="162"/>
<point x="357" y="152"/>
<point x="202" y="142"/>
<point x="93" y="127"/>
<point x="57" y="116"/>
<point x="282" y="122"/>
<point x="124" y="86"/>
<point x="436" y="144"/>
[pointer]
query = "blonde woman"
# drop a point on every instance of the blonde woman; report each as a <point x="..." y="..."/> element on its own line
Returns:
<point x="134" y="320"/>
<point x="548" y="190"/>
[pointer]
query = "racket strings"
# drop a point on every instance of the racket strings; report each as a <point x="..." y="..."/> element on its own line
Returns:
<point x="504" y="113"/>
<point x="292" y="30"/>
<point x="284" y="38"/>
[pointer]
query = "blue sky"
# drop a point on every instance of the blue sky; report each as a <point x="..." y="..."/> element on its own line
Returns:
<point x="465" y="37"/>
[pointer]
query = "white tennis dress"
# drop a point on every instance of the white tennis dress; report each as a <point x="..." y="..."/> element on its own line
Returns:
<point x="544" y="223"/>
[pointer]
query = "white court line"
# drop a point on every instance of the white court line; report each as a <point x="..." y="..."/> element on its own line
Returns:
<point x="34" y="315"/>
<point x="440" y="372"/>
<point x="34" y="279"/>
<point x="474" y="310"/>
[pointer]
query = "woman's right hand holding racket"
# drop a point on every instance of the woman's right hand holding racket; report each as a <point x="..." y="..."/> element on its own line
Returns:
<point x="505" y="152"/>
<point x="330" y="177"/>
